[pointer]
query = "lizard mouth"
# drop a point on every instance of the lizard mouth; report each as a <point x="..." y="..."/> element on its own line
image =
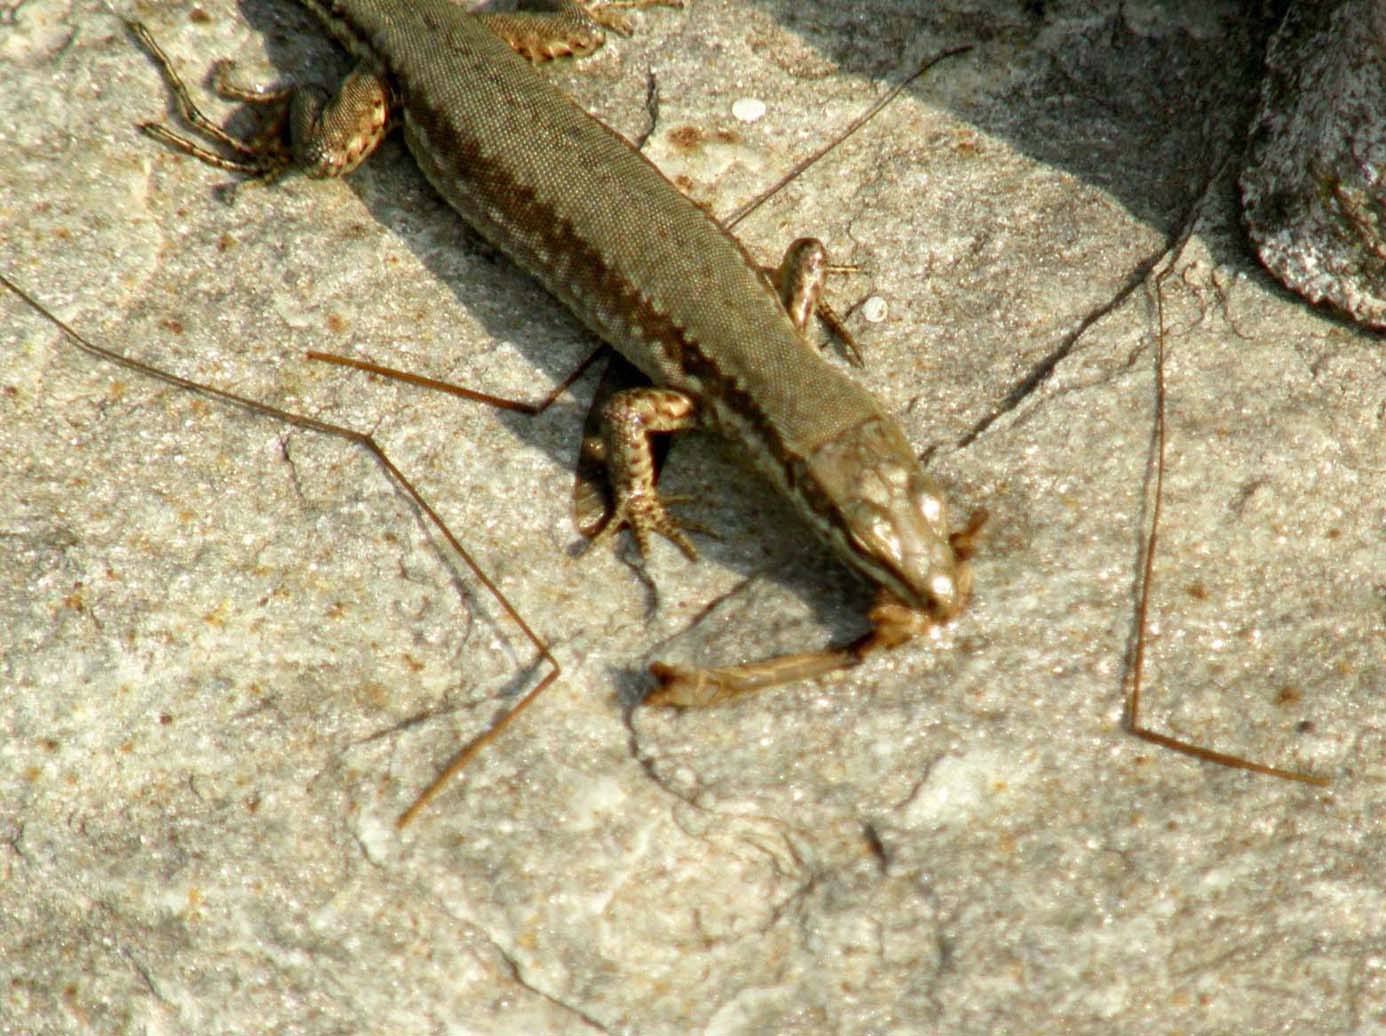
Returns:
<point x="946" y="591"/>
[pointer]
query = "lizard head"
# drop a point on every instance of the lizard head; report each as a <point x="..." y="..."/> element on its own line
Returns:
<point x="888" y="520"/>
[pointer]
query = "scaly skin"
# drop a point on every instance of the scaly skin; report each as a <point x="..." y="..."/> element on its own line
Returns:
<point x="602" y="229"/>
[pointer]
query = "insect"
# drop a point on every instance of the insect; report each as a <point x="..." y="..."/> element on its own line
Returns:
<point x="811" y="663"/>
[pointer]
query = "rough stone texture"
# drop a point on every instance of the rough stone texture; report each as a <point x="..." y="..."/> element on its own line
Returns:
<point x="1315" y="177"/>
<point x="232" y="653"/>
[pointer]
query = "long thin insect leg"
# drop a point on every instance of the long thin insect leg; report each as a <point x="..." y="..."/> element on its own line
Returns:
<point x="1131" y="720"/>
<point x="423" y="381"/>
<point x="367" y="443"/>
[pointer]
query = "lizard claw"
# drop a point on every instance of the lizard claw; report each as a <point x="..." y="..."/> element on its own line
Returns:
<point x="644" y="513"/>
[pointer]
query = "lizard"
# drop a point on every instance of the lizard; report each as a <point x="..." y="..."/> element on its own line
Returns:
<point x="650" y="272"/>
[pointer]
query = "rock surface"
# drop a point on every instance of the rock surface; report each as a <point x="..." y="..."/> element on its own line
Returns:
<point x="1315" y="179"/>
<point x="230" y="652"/>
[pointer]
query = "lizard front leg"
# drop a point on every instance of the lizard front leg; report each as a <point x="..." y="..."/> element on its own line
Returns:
<point x="629" y="418"/>
<point x="799" y="281"/>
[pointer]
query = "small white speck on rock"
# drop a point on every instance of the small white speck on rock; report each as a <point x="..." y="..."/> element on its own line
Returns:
<point x="749" y="109"/>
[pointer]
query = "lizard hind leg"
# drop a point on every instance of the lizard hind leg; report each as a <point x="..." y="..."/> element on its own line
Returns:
<point x="332" y="136"/>
<point x="265" y="156"/>
<point x="308" y="130"/>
